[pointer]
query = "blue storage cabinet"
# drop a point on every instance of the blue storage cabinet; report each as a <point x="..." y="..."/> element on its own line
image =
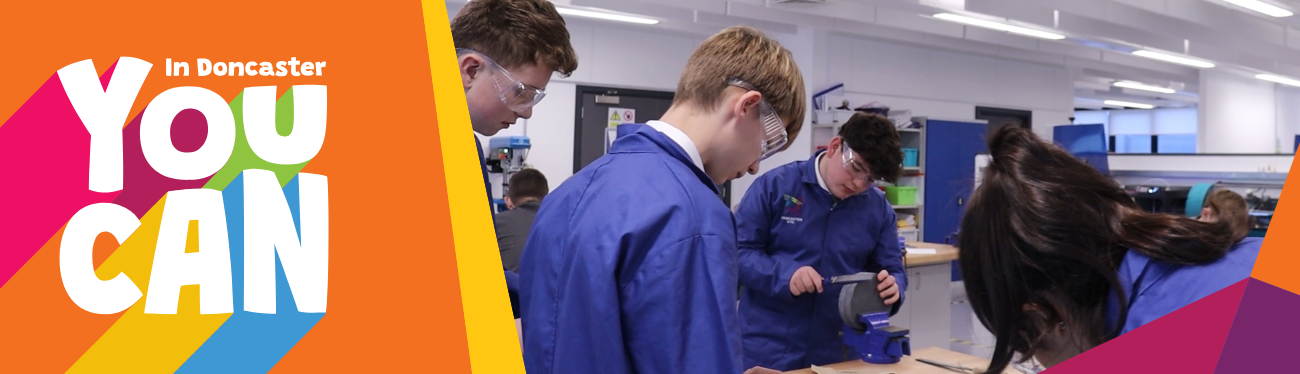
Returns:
<point x="951" y="147"/>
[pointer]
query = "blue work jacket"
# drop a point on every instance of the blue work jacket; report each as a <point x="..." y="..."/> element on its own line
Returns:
<point x="786" y="221"/>
<point x="1163" y="287"/>
<point x="632" y="268"/>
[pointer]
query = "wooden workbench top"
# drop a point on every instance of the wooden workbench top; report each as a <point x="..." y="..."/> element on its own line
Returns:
<point x="944" y="253"/>
<point x="909" y="365"/>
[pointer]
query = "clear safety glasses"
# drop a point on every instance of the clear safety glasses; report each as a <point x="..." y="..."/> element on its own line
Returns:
<point x="775" y="136"/>
<point x="855" y="169"/>
<point x="517" y="95"/>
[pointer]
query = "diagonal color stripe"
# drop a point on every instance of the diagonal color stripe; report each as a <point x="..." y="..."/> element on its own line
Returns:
<point x="1189" y="340"/>
<point x="389" y="211"/>
<point x="258" y="340"/>
<point x="48" y="313"/>
<point x="143" y="343"/>
<point x="493" y="340"/>
<point x="1278" y="257"/>
<point x="165" y="342"/>
<point x="243" y="157"/>
<point x="46" y="332"/>
<point x="1263" y="333"/>
<point x="46" y="169"/>
<point x="142" y="186"/>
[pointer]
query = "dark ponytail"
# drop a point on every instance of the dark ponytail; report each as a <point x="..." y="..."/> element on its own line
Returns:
<point x="1042" y="240"/>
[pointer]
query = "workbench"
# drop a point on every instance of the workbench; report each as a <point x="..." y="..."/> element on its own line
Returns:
<point x="909" y="365"/>
<point x="929" y="296"/>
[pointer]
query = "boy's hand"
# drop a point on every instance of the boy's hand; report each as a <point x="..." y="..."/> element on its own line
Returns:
<point x="805" y="280"/>
<point x="761" y="370"/>
<point x="888" y="287"/>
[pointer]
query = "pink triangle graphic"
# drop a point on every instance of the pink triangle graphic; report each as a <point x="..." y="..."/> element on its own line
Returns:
<point x="1188" y="340"/>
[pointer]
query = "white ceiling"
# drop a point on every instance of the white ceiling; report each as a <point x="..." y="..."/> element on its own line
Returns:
<point x="1101" y="33"/>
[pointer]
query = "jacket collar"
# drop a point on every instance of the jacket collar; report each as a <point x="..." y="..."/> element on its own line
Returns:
<point x="645" y="139"/>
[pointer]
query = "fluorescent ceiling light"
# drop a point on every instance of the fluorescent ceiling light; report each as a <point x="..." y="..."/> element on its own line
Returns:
<point x="1173" y="59"/>
<point x="1277" y="79"/>
<point x="1129" y="104"/>
<point x="606" y="16"/>
<point x="999" y="26"/>
<point x="1139" y="86"/>
<point x="1262" y="7"/>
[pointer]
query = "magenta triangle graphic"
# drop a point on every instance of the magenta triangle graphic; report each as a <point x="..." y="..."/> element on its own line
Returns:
<point x="1188" y="340"/>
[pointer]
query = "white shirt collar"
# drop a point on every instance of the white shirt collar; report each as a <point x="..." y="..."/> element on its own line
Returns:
<point x="681" y="139"/>
<point x="817" y="165"/>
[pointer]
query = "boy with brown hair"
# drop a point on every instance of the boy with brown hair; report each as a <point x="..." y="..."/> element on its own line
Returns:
<point x="632" y="261"/>
<point x="507" y="51"/>
<point x="1228" y="206"/>
<point x="814" y="219"/>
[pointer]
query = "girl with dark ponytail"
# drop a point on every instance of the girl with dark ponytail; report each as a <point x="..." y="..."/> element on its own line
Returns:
<point x="1058" y="259"/>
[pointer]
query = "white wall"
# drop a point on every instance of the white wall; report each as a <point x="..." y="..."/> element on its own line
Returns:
<point x="1202" y="163"/>
<point x="1288" y="117"/>
<point x="929" y="82"/>
<point x="1238" y="114"/>
<point x="944" y="84"/>
<point x="608" y="55"/>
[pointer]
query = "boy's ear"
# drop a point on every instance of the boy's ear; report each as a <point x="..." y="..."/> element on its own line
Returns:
<point x="748" y="103"/>
<point x="471" y="67"/>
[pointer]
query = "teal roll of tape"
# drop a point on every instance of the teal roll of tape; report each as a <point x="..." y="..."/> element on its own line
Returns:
<point x="1196" y="198"/>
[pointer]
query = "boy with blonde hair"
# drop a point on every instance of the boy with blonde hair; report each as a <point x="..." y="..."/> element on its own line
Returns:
<point x="632" y="261"/>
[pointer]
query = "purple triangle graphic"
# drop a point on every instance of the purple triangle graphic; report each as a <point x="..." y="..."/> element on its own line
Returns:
<point x="1264" y="333"/>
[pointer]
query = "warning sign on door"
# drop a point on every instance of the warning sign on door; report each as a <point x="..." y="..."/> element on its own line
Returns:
<point x="619" y="116"/>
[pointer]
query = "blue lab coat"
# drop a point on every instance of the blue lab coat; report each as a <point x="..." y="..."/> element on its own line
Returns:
<point x="1164" y="287"/>
<point x="632" y="268"/>
<point x="786" y="221"/>
<point x="512" y="279"/>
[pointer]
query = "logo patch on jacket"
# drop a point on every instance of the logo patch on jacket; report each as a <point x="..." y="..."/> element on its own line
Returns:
<point x="793" y="209"/>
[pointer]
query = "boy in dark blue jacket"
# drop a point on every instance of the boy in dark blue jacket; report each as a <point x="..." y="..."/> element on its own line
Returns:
<point x="632" y="261"/>
<point x="807" y="220"/>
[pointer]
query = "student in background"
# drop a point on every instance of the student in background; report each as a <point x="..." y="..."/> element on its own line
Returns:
<point x="1227" y="206"/>
<point x="631" y="265"/>
<point x="527" y="188"/>
<point x="508" y="50"/>
<point x="811" y="219"/>
<point x="1058" y="259"/>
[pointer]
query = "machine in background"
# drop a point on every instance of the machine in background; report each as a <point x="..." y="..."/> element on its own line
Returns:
<point x="1188" y="201"/>
<point x="1161" y="199"/>
<point x="506" y="156"/>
